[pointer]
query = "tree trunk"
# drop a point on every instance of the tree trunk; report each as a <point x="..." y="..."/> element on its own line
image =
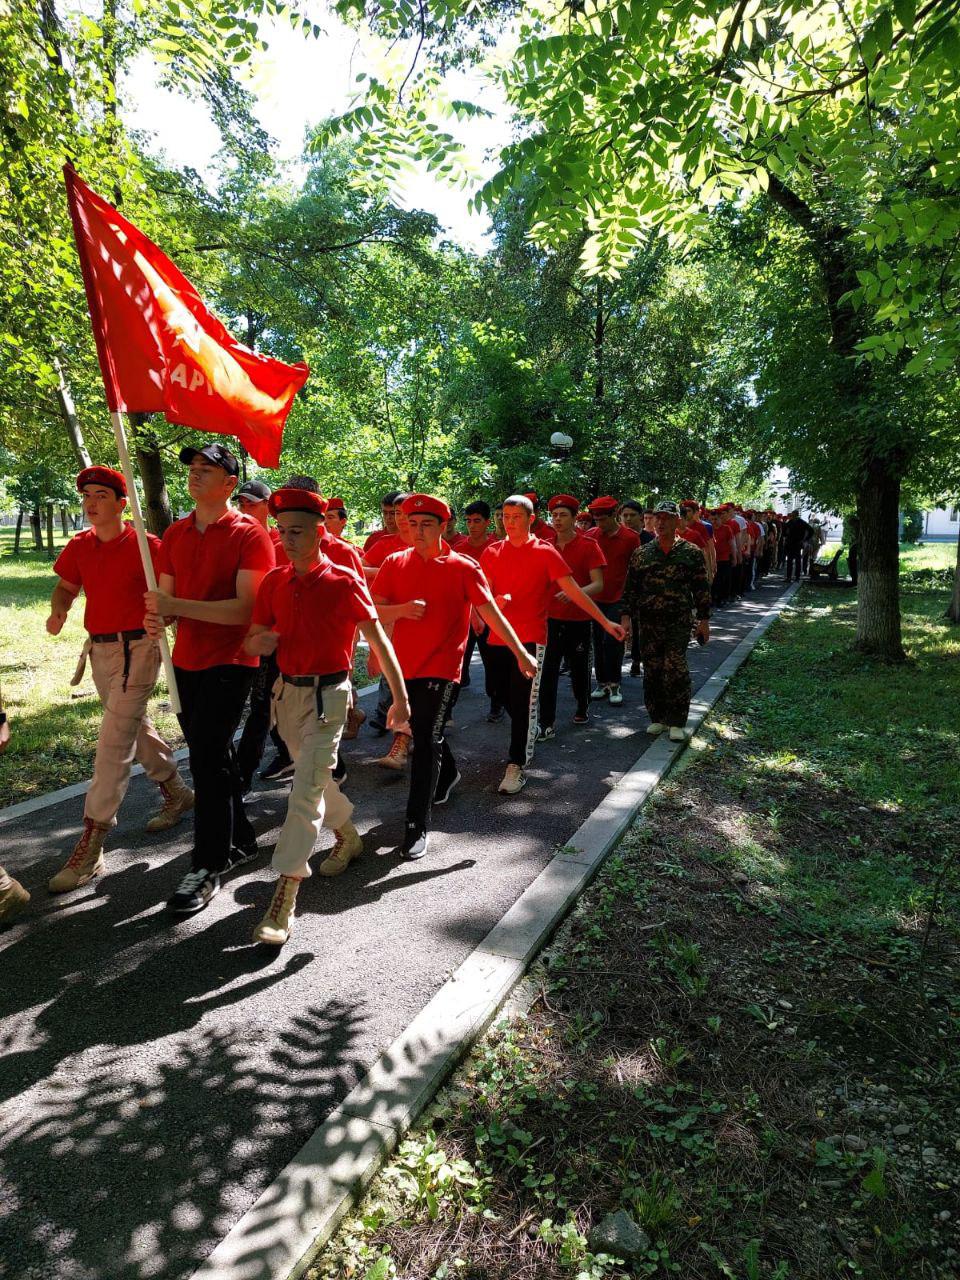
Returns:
<point x="156" y="501"/>
<point x="50" y="530"/>
<point x="63" y="520"/>
<point x="35" y="528"/>
<point x="953" y="612"/>
<point x="70" y="420"/>
<point x="19" y="530"/>
<point x="878" y="591"/>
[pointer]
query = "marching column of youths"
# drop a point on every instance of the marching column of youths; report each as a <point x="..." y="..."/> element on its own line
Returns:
<point x="267" y="619"/>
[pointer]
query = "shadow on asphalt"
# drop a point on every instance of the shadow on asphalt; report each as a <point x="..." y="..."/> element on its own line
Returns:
<point x="98" y="1133"/>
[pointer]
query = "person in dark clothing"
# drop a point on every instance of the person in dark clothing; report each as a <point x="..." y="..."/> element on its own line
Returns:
<point x="795" y="531"/>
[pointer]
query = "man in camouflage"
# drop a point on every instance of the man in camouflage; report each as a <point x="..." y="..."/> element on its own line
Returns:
<point x="666" y="583"/>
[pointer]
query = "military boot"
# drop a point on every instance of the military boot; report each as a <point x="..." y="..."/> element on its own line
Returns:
<point x="13" y="898"/>
<point x="275" y="927"/>
<point x="177" y="800"/>
<point x="348" y="846"/>
<point x="396" y="757"/>
<point x="85" y="862"/>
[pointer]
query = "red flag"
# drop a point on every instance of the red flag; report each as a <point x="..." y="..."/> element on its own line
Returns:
<point x="160" y="349"/>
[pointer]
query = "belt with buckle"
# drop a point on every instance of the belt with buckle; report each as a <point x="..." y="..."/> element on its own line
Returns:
<point x="112" y="636"/>
<point x="315" y="682"/>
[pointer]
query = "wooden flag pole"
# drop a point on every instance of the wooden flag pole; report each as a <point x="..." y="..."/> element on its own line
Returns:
<point x="134" y="499"/>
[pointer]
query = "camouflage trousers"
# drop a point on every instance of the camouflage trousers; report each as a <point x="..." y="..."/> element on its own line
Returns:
<point x="666" y="676"/>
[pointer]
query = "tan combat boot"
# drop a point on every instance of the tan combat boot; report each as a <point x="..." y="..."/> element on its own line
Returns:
<point x="275" y="927"/>
<point x="348" y="846"/>
<point x="396" y="757"/>
<point x="85" y="862"/>
<point x="177" y="800"/>
<point x="13" y="898"/>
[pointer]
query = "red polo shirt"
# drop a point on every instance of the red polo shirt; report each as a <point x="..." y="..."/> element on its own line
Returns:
<point x="205" y="567"/>
<point x="450" y="584"/>
<point x="754" y="531"/>
<point x="582" y="555"/>
<point x="694" y="535"/>
<point x="723" y="535"/>
<point x="466" y="547"/>
<point x="546" y="532"/>
<point x="617" y="547"/>
<point x="112" y="578"/>
<point x="527" y="575"/>
<point x="385" y="546"/>
<point x="372" y="539"/>
<point x="316" y="613"/>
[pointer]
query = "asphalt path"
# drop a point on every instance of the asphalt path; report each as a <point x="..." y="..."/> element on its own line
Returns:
<point x="156" y="1075"/>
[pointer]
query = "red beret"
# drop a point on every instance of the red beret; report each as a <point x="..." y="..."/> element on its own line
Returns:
<point x="282" y="500"/>
<point x="424" y="504"/>
<point x="533" y="498"/>
<point x="106" y="476"/>
<point x="336" y="504"/>
<point x="604" y="504"/>
<point x="689" y="504"/>
<point x="564" y="500"/>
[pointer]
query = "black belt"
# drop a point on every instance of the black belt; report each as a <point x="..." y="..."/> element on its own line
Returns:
<point x="124" y="637"/>
<point x="109" y="636"/>
<point x="316" y="682"/>
<point x="319" y="683"/>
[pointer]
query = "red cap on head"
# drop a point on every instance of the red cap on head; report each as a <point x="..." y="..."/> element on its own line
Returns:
<point x="424" y="504"/>
<point x="106" y="476"/>
<point x="688" y="504"/>
<point x="336" y="504"/>
<point x="533" y="498"/>
<point x="282" y="500"/>
<point x="564" y="500"/>
<point x="604" y="505"/>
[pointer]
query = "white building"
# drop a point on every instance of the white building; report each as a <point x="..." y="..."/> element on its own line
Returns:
<point x="942" y="525"/>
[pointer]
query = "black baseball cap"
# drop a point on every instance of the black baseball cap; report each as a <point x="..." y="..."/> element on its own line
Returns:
<point x="215" y="453"/>
<point x="254" y="489"/>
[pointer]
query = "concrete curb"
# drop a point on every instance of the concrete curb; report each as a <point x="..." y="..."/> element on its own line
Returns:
<point x="281" y="1234"/>
<point x="25" y="807"/>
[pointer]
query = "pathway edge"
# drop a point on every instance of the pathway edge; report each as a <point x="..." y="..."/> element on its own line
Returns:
<point x="281" y="1234"/>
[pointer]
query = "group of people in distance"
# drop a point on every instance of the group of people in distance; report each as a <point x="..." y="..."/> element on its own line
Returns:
<point x="267" y="618"/>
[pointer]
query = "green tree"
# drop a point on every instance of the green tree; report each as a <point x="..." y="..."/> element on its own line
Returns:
<point x="843" y="116"/>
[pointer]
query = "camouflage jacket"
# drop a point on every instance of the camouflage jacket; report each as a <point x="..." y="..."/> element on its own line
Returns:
<point x="665" y="588"/>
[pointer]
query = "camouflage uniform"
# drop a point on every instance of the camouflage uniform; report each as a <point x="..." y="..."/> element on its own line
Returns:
<point x="661" y="590"/>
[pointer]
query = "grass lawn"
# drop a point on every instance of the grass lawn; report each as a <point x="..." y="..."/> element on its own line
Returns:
<point x="54" y="725"/>
<point x="746" y="1035"/>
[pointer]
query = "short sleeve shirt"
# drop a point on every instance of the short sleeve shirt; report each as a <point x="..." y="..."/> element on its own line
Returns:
<point x="723" y="535"/>
<point x="316" y="614"/>
<point x="451" y="584"/>
<point x="466" y="547"/>
<point x="582" y="555"/>
<point x="373" y="538"/>
<point x="205" y="567"/>
<point x="111" y="575"/>
<point x="383" y="547"/>
<point x="544" y="531"/>
<point x="617" y="548"/>
<point x="694" y="535"/>
<point x="527" y="574"/>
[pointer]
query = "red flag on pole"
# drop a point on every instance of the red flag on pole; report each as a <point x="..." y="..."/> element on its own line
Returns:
<point x="160" y="349"/>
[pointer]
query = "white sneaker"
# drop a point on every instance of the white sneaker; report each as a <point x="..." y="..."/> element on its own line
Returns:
<point x="514" y="780"/>
<point x="616" y="697"/>
<point x="677" y="734"/>
<point x="655" y="728"/>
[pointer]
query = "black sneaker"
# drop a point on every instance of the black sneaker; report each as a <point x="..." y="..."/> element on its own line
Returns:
<point x="339" y="771"/>
<point x="194" y="892"/>
<point x="443" y="791"/>
<point x="546" y="732"/>
<point x="494" y="715"/>
<point x="241" y="853"/>
<point x="414" y="845"/>
<point x="636" y="669"/>
<point x="279" y="767"/>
